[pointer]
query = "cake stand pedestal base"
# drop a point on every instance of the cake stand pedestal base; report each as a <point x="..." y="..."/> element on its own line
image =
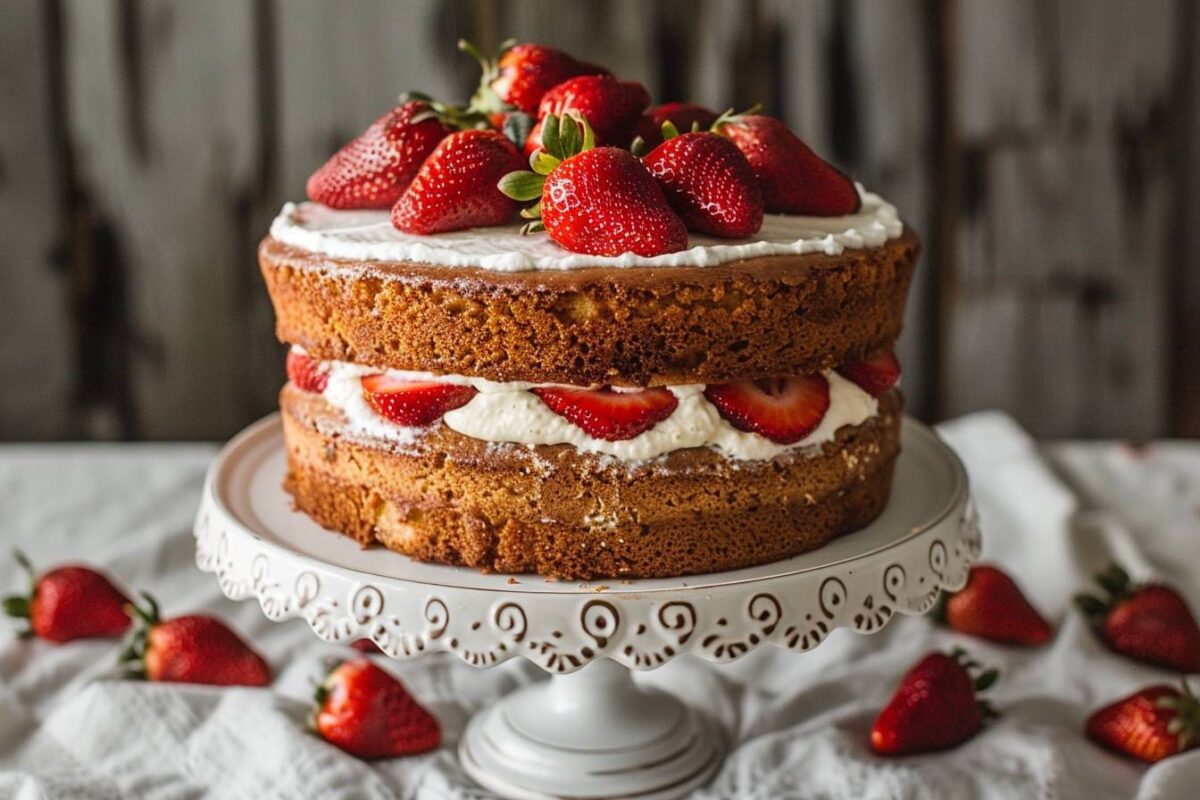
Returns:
<point x="590" y="734"/>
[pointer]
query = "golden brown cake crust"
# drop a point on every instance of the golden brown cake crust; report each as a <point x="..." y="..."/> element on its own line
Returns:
<point x="568" y="514"/>
<point x="760" y="317"/>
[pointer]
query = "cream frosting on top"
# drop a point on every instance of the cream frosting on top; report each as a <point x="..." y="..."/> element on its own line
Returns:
<point x="510" y="413"/>
<point x="369" y="236"/>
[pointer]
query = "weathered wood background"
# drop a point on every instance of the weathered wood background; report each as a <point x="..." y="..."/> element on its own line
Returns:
<point x="1049" y="153"/>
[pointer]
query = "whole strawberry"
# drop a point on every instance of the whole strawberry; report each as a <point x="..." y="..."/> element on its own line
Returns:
<point x="708" y="182"/>
<point x="70" y="602"/>
<point x="934" y="708"/>
<point x="374" y="170"/>
<point x="369" y="714"/>
<point x="1150" y="622"/>
<point x="456" y="186"/>
<point x="600" y="201"/>
<point x="191" y="649"/>
<point x="611" y="107"/>
<point x="522" y="75"/>
<point x="683" y="116"/>
<point x="793" y="179"/>
<point x="1150" y="724"/>
<point x="992" y="606"/>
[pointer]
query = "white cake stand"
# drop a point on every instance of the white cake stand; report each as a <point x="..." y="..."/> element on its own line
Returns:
<point x="595" y="733"/>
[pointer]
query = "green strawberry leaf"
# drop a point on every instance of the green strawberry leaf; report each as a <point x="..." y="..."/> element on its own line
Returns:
<point x="522" y="186"/>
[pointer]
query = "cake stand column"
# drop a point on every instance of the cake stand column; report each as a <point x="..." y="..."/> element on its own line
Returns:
<point x="590" y="734"/>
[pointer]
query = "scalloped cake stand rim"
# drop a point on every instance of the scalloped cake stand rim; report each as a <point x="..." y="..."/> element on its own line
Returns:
<point x="249" y="535"/>
<point x="586" y="733"/>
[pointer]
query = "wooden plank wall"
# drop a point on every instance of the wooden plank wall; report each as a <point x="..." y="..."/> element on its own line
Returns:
<point x="1046" y="150"/>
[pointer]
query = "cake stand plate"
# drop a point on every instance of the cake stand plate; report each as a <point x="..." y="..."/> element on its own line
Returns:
<point x="593" y="734"/>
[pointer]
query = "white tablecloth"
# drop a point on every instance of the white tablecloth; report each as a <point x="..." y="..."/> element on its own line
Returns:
<point x="798" y="722"/>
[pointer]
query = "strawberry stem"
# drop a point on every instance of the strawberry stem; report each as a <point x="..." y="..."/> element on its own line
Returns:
<point x="485" y="100"/>
<point x="729" y="116"/>
<point x="17" y="607"/>
<point x="1117" y="586"/>
<point x="133" y="656"/>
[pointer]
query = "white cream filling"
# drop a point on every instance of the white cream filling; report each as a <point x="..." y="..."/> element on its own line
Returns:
<point x="509" y="412"/>
<point x="369" y="236"/>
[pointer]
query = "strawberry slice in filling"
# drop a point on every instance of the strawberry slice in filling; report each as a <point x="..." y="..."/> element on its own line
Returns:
<point x="609" y="414"/>
<point x="413" y="403"/>
<point x="784" y="410"/>
<point x="875" y="374"/>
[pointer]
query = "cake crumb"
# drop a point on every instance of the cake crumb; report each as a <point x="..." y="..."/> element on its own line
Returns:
<point x="512" y="581"/>
<point x="601" y="588"/>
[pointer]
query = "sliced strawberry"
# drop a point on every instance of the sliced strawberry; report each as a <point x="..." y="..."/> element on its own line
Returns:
<point x="609" y="414"/>
<point x="784" y="410"/>
<point x="374" y="170"/>
<point x="306" y="372"/>
<point x="793" y="179"/>
<point x="456" y="186"/>
<point x="875" y="374"/>
<point x="684" y="116"/>
<point x="413" y="403"/>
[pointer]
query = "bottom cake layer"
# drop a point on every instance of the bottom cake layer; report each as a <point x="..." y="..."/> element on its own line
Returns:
<point x="562" y="513"/>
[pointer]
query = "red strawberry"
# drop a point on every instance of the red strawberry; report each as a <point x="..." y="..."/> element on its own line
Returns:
<point x="709" y="184"/>
<point x="793" y="179"/>
<point x="306" y="372"/>
<point x="374" y="170"/>
<point x="684" y="116"/>
<point x="934" y="708"/>
<point x="784" y="410"/>
<point x="369" y="714"/>
<point x="522" y="75"/>
<point x="1150" y="724"/>
<point x="876" y="373"/>
<point x="604" y="202"/>
<point x="991" y="606"/>
<point x="71" y="602"/>
<point x="611" y="107"/>
<point x="365" y="646"/>
<point x="1150" y="623"/>
<point x="192" y="649"/>
<point x="600" y="201"/>
<point x="456" y="186"/>
<point x="413" y="403"/>
<point x="610" y="414"/>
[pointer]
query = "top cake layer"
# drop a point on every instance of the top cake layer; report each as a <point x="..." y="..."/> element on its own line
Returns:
<point x="805" y="295"/>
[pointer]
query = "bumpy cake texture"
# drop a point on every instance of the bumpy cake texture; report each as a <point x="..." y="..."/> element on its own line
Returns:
<point x="554" y="510"/>
<point x="567" y="510"/>
<point x="755" y="318"/>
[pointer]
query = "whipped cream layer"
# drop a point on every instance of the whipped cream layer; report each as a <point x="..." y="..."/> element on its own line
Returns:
<point x="510" y="413"/>
<point x="369" y="236"/>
